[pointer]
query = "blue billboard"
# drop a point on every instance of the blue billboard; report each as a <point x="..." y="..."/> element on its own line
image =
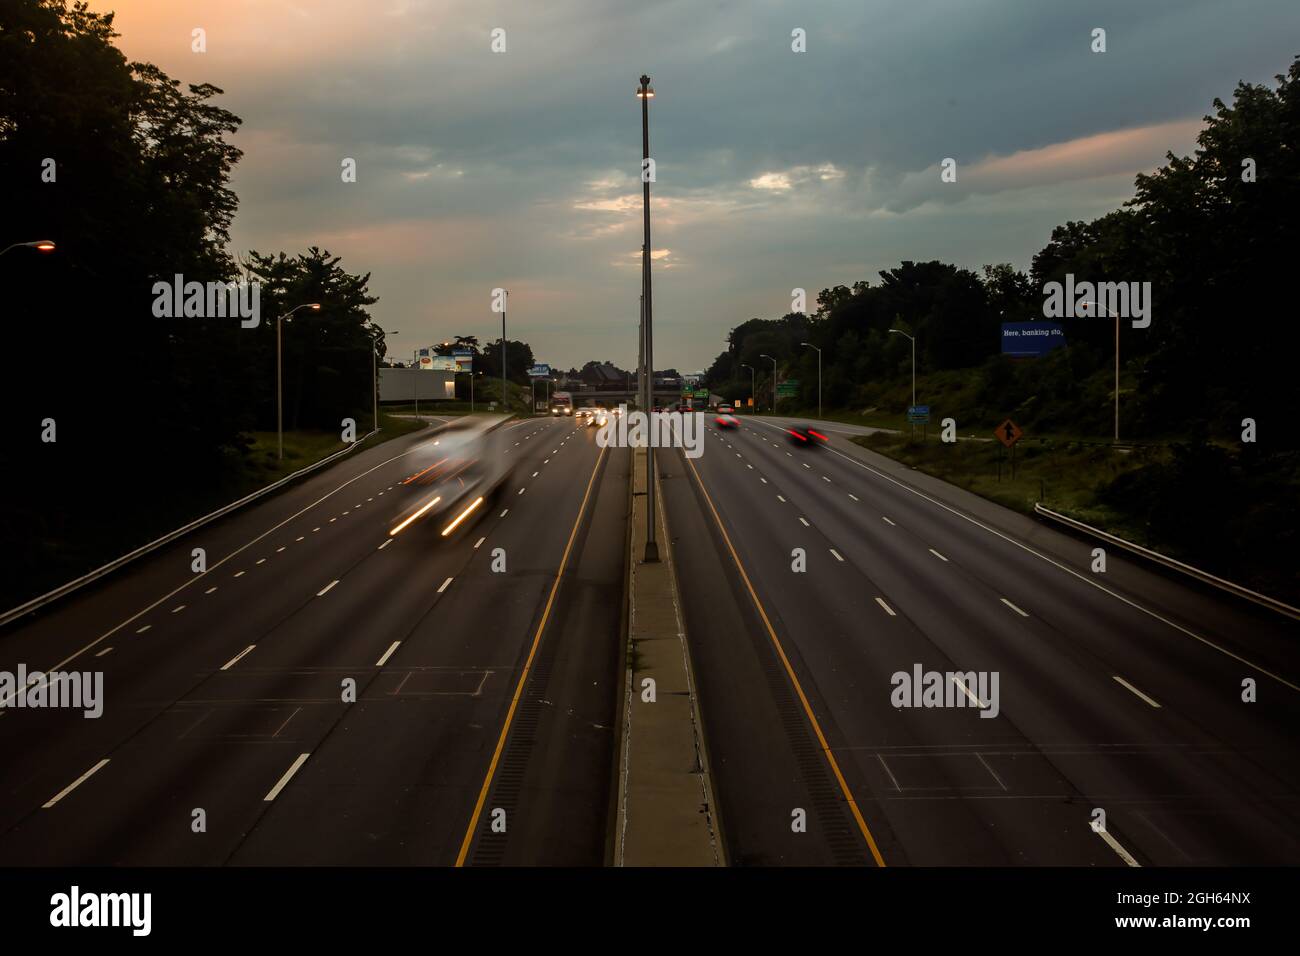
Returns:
<point x="1031" y="339"/>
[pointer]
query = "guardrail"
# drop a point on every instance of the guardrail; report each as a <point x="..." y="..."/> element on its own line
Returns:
<point x="65" y="589"/>
<point x="1263" y="600"/>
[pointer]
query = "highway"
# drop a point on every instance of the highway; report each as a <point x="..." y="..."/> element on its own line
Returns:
<point x="1119" y="691"/>
<point x="224" y="690"/>
<point x="489" y="696"/>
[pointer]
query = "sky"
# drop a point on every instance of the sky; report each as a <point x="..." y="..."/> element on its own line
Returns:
<point x="775" y="169"/>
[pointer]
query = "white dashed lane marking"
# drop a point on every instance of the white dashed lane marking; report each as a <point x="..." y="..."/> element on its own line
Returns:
<point x="237" y="658"/>
<point x="1125" y="683"/>
<point x="288" y="774"/>
<point x="1014" y="608"/>
<point x="327" y="588"/>
<point x="74" y="785"/>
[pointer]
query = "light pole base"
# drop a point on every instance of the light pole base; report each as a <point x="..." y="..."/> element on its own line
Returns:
<point x="651" y="552"/>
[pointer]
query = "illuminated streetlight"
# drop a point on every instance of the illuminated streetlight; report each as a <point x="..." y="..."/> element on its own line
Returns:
<point x="819" y="377"/>
<point x="773" y="361"/>
<point x="279" y="376"/>
<point x="645" y="93"/>
<point x="40" y="245"/>
<point x="1096" y="305"/>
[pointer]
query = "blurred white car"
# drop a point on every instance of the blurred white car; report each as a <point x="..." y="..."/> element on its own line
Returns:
<point x="454" y="477"/>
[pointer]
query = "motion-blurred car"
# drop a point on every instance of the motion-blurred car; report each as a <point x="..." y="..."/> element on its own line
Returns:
<point x="726" y="410"/>
<point x="806" y="437"/>
<point x="597" y="418"/>
<point x="727" y="421"/>
<point x="454" y="478"/>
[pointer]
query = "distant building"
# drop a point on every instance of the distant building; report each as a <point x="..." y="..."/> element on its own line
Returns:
<point x="603" y="376"/>
<point x="400" y="384"/>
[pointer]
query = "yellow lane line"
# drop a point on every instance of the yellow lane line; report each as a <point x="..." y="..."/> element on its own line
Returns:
<point x="803" y="698"/>
<point x="523" y="678"/>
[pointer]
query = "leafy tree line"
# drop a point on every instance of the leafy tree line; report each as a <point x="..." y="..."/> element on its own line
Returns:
<point x="1215" y="234"/>
<point x="128" y="172"/>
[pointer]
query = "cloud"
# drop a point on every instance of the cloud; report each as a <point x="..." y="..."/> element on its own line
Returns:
<point x="774" y="169"/>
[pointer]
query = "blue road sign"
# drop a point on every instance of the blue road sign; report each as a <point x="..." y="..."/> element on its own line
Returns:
<point x="1031" y="339"/>
<point x="918" y="414"/>
<point x="539" y="371"/>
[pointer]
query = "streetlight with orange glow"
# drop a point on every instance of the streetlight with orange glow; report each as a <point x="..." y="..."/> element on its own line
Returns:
<point x="40" y="245"/>
<point x="279" y="375"/>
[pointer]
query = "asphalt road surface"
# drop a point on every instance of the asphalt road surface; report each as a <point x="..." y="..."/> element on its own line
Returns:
<point x="1120" y="692"/>
<point x="489" y="697"/>
<point x="224" y="690"/>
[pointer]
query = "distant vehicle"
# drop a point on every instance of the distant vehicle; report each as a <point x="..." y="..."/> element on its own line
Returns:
<point x="684" y="407"/>
<point x="806" y="437"/>
<point x="597" y="418"/>
<point x="454" y="478"/>
<point x="561" y="403"/>
<point x="727" y="421"/>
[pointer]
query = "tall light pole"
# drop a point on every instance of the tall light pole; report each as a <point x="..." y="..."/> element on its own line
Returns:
<point x="773" y="361"/>
<point x="753" y="386"/>
<point x="640" y="341"/>
<point x="40" y="245"/>
<point x="819" y="377"/>
<point x="645" y="92"/>
<point x="279" y="375"/>
<point x="415" y="364"/>
<point x="374" y="379"/>
<point x="1116" y="314"/>
<point x="913" y="341"/>
<point x="505" y="297"/>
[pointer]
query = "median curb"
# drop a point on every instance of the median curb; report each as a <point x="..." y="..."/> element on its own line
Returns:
<point x="667" y="814"/>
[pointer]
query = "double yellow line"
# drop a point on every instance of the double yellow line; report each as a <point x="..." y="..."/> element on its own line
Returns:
<point x="798" y="688"/>
<point x="523" y="677"/>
